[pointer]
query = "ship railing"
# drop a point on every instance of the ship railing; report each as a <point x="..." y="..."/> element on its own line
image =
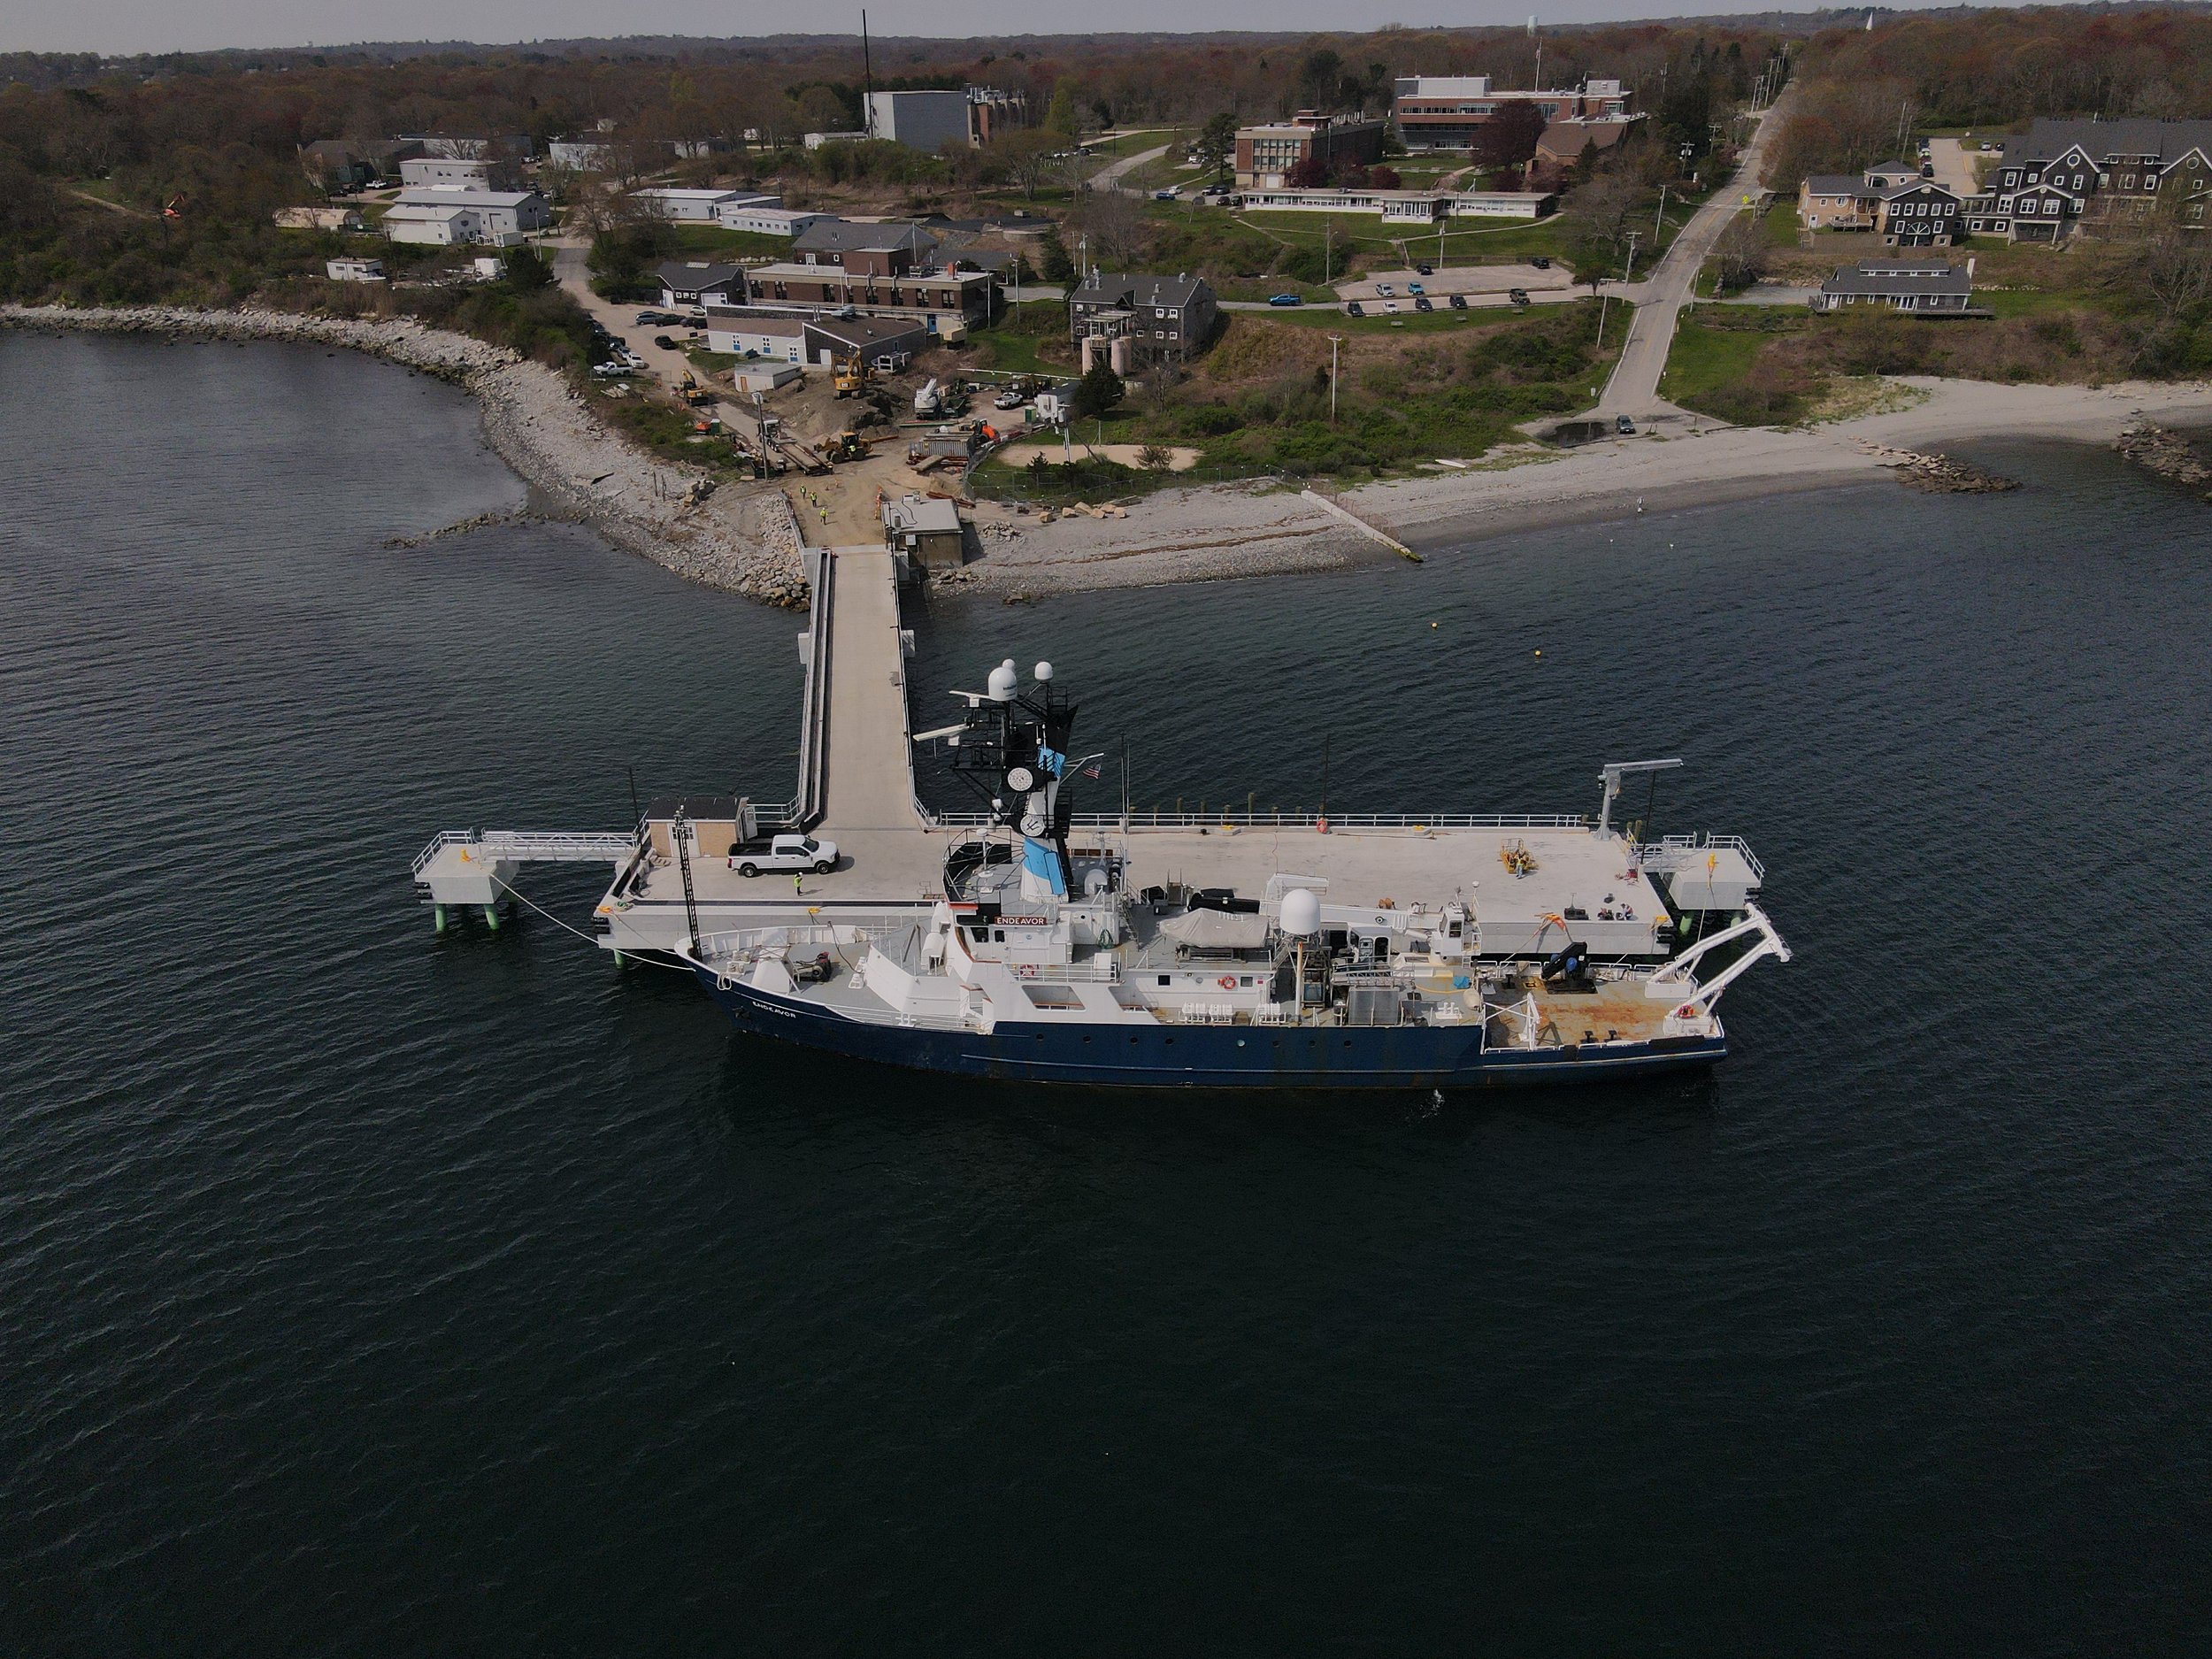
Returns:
<point x="1679" y="852"/>
<point x="533" y="846"/>
<point x="1293" y="817"/>
<point x="848" y="941"/>
<point x="1106" y="972"/>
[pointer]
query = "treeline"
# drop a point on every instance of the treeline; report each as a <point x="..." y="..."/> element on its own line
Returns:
<point x="1993" y="71"/>
<point x="70" y="116"/>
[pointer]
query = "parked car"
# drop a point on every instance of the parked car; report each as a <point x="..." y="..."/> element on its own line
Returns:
<point x="1459" y="302"/>
<point x="1415" y="288"/>
<point x="784" y="852"/>
<point x="608" y="370"/>
<point x="1622" y="425"/>
<point x="1352" y="308"/>
<point x="666" y="343"/>
<point x="1286" y="299"/>
<point x="1542" y="262"/>
<point x="1519" y="296"/>
<point x="1422" y="270"/>
<point x="1164" y="196"/>
<point x="1423" y="303"/>
<point x="650" y="319"/>
<point x="1009" y="400"/>
<point x="1390" y="306"/>
<point x="1384" y="289"/>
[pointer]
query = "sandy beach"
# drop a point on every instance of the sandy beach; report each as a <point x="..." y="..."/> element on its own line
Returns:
<point x="744" y="539"/>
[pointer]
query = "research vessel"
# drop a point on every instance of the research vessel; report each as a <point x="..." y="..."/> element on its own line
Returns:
<point x="1037" y="944"/>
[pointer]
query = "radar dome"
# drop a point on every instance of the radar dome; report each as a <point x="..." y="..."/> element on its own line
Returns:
<point x="1301" y="912"/>
<point x="1044" y="671"/>
<point x="1003" y="682"/>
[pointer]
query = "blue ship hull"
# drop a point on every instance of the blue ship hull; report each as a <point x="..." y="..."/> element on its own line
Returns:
<point x="1209" y="1056"/>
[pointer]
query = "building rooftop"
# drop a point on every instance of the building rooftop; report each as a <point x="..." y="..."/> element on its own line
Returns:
<point x="859" y="332"/>
<point x="424" y="195"/>
<point x="920" y="512"/>
<point x="693" y="275"/>
<point x="786" y="270"/>
<point x="844" y="235"/>
<point x="1837" y="184"/>
<point x="757" y="319"/>
<point x="2047" y="139"/>
<point x="1109" y="288"/>
<point x="1934" y="279"/>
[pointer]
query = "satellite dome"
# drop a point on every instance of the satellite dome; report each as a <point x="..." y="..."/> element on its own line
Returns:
<point x="1044" y="671"/>
<point x="1301" y="912"/>
<point x="1020" y="780"/>
<point x="1033" y="825"/>
<point x="1003" y="682"/>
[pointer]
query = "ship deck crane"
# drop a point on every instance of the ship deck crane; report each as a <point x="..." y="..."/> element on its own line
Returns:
<point x="1610" y="776"/>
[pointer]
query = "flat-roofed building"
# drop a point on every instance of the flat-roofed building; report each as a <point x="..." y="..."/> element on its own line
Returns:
<point x="429" y="173"/>
<point x="1447" y="111"/>
<point x="1267" y="156"/>
<point x="920" y="120"/>
<point x="924" y="530"/>
<point x="826" y="339"/>
<point x="767" y="216"/>
<point x="696" y="207"/>
<point x="947" y="302"/>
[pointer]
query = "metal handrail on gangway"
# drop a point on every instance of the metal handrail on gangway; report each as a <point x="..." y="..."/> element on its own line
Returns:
<point x="529" y="847"/>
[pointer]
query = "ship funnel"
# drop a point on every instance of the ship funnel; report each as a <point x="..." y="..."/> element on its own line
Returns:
<point x="1301" y="913"/>
<point x="1003" y="682"/>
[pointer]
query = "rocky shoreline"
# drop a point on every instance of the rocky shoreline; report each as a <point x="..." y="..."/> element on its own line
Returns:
<point x="740" y="542"/>
<point x="1938" y="474"/>
<point x="2167" y="453"/>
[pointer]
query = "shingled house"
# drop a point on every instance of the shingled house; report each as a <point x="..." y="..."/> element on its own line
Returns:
<point x="1154" y="319"/>
<point x="2059" y="176"/>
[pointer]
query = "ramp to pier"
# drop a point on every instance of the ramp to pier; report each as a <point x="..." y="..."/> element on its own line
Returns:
<point x="869" y="761"/>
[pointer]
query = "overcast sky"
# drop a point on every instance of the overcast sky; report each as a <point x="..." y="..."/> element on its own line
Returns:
<point x="140" y="25"/>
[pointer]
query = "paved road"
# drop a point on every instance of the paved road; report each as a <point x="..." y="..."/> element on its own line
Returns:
<point x="1110" y="177"/>
<point x="571" y="271"/>
<point x="1634" y="388"/>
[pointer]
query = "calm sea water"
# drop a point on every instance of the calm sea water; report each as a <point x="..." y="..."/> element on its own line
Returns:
<point x="366" y="1292"/>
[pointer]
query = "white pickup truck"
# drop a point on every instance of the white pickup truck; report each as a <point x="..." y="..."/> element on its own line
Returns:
<point x="784" y="852"/>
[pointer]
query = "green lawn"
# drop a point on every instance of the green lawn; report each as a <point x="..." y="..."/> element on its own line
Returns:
<point x="1130" y="144"/>
<point x="1014" y="351"/>
<point x="1712" y="354"/>
<point x="743" y="244"/>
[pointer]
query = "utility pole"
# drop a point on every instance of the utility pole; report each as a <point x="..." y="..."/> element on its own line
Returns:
<point x="1328" y="251"/>
<point x="1334" y="342"/>
<point x="867" y="78"/>
<point x="1659" y="225"/>
<point x="1630" y="275"/>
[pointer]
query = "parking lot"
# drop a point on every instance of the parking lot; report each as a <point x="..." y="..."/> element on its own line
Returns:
<point x="1449" y="279"/>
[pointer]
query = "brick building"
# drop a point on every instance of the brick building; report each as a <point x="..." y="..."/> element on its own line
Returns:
<point x="1267" y="156"/>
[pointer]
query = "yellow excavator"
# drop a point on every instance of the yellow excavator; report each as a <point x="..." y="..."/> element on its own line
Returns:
<point x="693" y="394"/>
<point x="850" y="376"/>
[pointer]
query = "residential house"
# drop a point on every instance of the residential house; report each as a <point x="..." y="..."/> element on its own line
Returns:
<point x="1142" y="320"/>
<point x="699" y="282"/>
<point x="1446" y="112"/>
<point x="743" y="331"/>
<point x="2061" y="176"/>
<point x="1921" y="214"/>
<point x="1909" y="211"/>
<point x="1835" y="200"/>
<point x="924" y="531"/>
<point x="1934" y="288"/>
<point x="1267" y="156"/>
<point x="505" y="216"/>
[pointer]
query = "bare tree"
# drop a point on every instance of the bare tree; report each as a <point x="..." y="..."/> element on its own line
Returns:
<point x="2171" y="266"/>
<point x="1741" y="256"/>
<point x="1114" y="224"/>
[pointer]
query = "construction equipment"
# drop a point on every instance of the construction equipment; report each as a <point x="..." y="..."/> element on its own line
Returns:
<point x="693" y="394"/>
<point x="850" y="375"/>
<point x="846" y="446"/>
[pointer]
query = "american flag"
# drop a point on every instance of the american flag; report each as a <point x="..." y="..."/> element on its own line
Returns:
<point x="1091" y="771"/>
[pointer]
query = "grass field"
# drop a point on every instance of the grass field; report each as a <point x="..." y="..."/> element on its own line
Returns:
<point x="730" y="244"/>
<point x="1713" y="351"/>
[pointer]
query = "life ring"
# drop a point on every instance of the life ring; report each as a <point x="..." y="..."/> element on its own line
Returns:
<point x="1227" y="982"/>
<point x="1688" y="1010"/>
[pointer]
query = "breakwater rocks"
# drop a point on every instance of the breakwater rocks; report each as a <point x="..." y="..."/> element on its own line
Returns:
<point x="475" y="521"/>
<point x="740" y="542"/>
<point x="1938" y="474"/>
<point x="2163" y="450"/>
